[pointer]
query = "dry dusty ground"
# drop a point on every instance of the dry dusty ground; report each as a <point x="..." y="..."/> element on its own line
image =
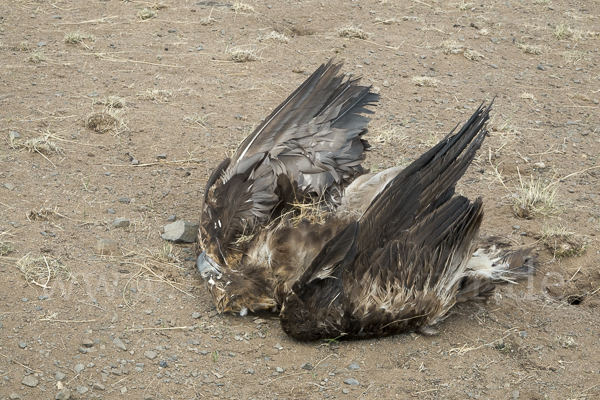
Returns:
<point x="94" y="87"/>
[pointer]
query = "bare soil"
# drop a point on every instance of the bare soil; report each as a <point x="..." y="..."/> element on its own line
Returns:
<point x="132" y="319"/>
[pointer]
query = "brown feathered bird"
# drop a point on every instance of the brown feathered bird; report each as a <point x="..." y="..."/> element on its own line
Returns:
<point x="291" y="223"/>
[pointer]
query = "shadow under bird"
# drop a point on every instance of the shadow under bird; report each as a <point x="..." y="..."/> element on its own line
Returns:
<point x="292" y="223"/>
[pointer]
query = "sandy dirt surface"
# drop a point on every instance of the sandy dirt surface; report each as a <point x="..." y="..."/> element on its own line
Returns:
<point x="113" y="113"/>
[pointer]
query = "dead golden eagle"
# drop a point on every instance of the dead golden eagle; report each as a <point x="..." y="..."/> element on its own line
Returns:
<point x="291" y="223"/>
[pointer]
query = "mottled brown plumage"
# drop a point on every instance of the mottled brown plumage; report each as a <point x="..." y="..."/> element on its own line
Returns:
<point x="387" y="253"/>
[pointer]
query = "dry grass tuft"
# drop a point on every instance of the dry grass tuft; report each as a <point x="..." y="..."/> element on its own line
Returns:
<point x="43" y="214"/>
<point x="41" y="145"/>
<point x="40" y="270"/>
<point x="165" y="254"/>
<point x="536" y="197"/>
<point x="113" y="101"/>
<point x="109" y="119"/>
<point x="563" y="243"/>
<point x="530" y="48"/>
<point x="392" y="135"/>
<point x="23" y="46"/>
<point x="242" y="54"/>
<point x="427" y="81"/>
<point x="315" y="212"/>
<point x="37" y="56"/>
<point x="274" y="37"/>
<point x="158" y="95"/>
<point x="77" y="37"/>
<point x="5" y="248"/>
<point x="147" y="13"/>
<point x="562" y="31"/>
<point x="575" y="56"/>
<point x="198" y="119"/>
<point x="473" y="55"/>
<point x="528" y="96"/>
<point x="385" y="21"/>
<point x="242" y="7"/>
<point x="463" y="5"/>
<point x="159" y="6"/>
<point x="451" y="46"/>
<point x="352" y="32"/>
<point x="207" y="20"/>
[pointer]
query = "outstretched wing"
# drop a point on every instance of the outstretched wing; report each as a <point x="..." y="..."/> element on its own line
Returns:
<point x="413" y="238"/>
<point x="314" y="138"/>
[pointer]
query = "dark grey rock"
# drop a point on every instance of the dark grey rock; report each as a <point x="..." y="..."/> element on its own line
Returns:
<point x="307" y="366"/>
<point x="180" y="231"/>
<point x="162" y="156"/>
<point x="172" y="218"/>
<point x="353" y="366"/>
<point x="124" y="200"/>
<point x="163" y="364"/>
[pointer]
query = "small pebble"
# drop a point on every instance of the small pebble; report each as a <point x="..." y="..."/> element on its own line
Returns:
<point x="59" y="376"/>
<point x="181" y="231"/>
<point x="249" y="371"/>
<point x="22" y="345"/>
<point x="121" y="223"/>
<point x="30" y="381"/>
<point x="79" y="368"/>
<point x="354" y="366"/>
<point x="150" y="354"/>
<point x="351" y="382"/>
<point x="64" y="394"/>
<point x="162" y="156"/>
<point x="124" y="200"/>
<point x="14" y="135"/>
<point x="163" y="364"/>
<point x="307" y="366"/>
<point x="14" y="396"/>
<point x="119" y="343"/>
<point x="196" y="315"/>
<point x="111" y="211"/>
<point x="82" y="389"/>
<point x="98" y="386"/>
